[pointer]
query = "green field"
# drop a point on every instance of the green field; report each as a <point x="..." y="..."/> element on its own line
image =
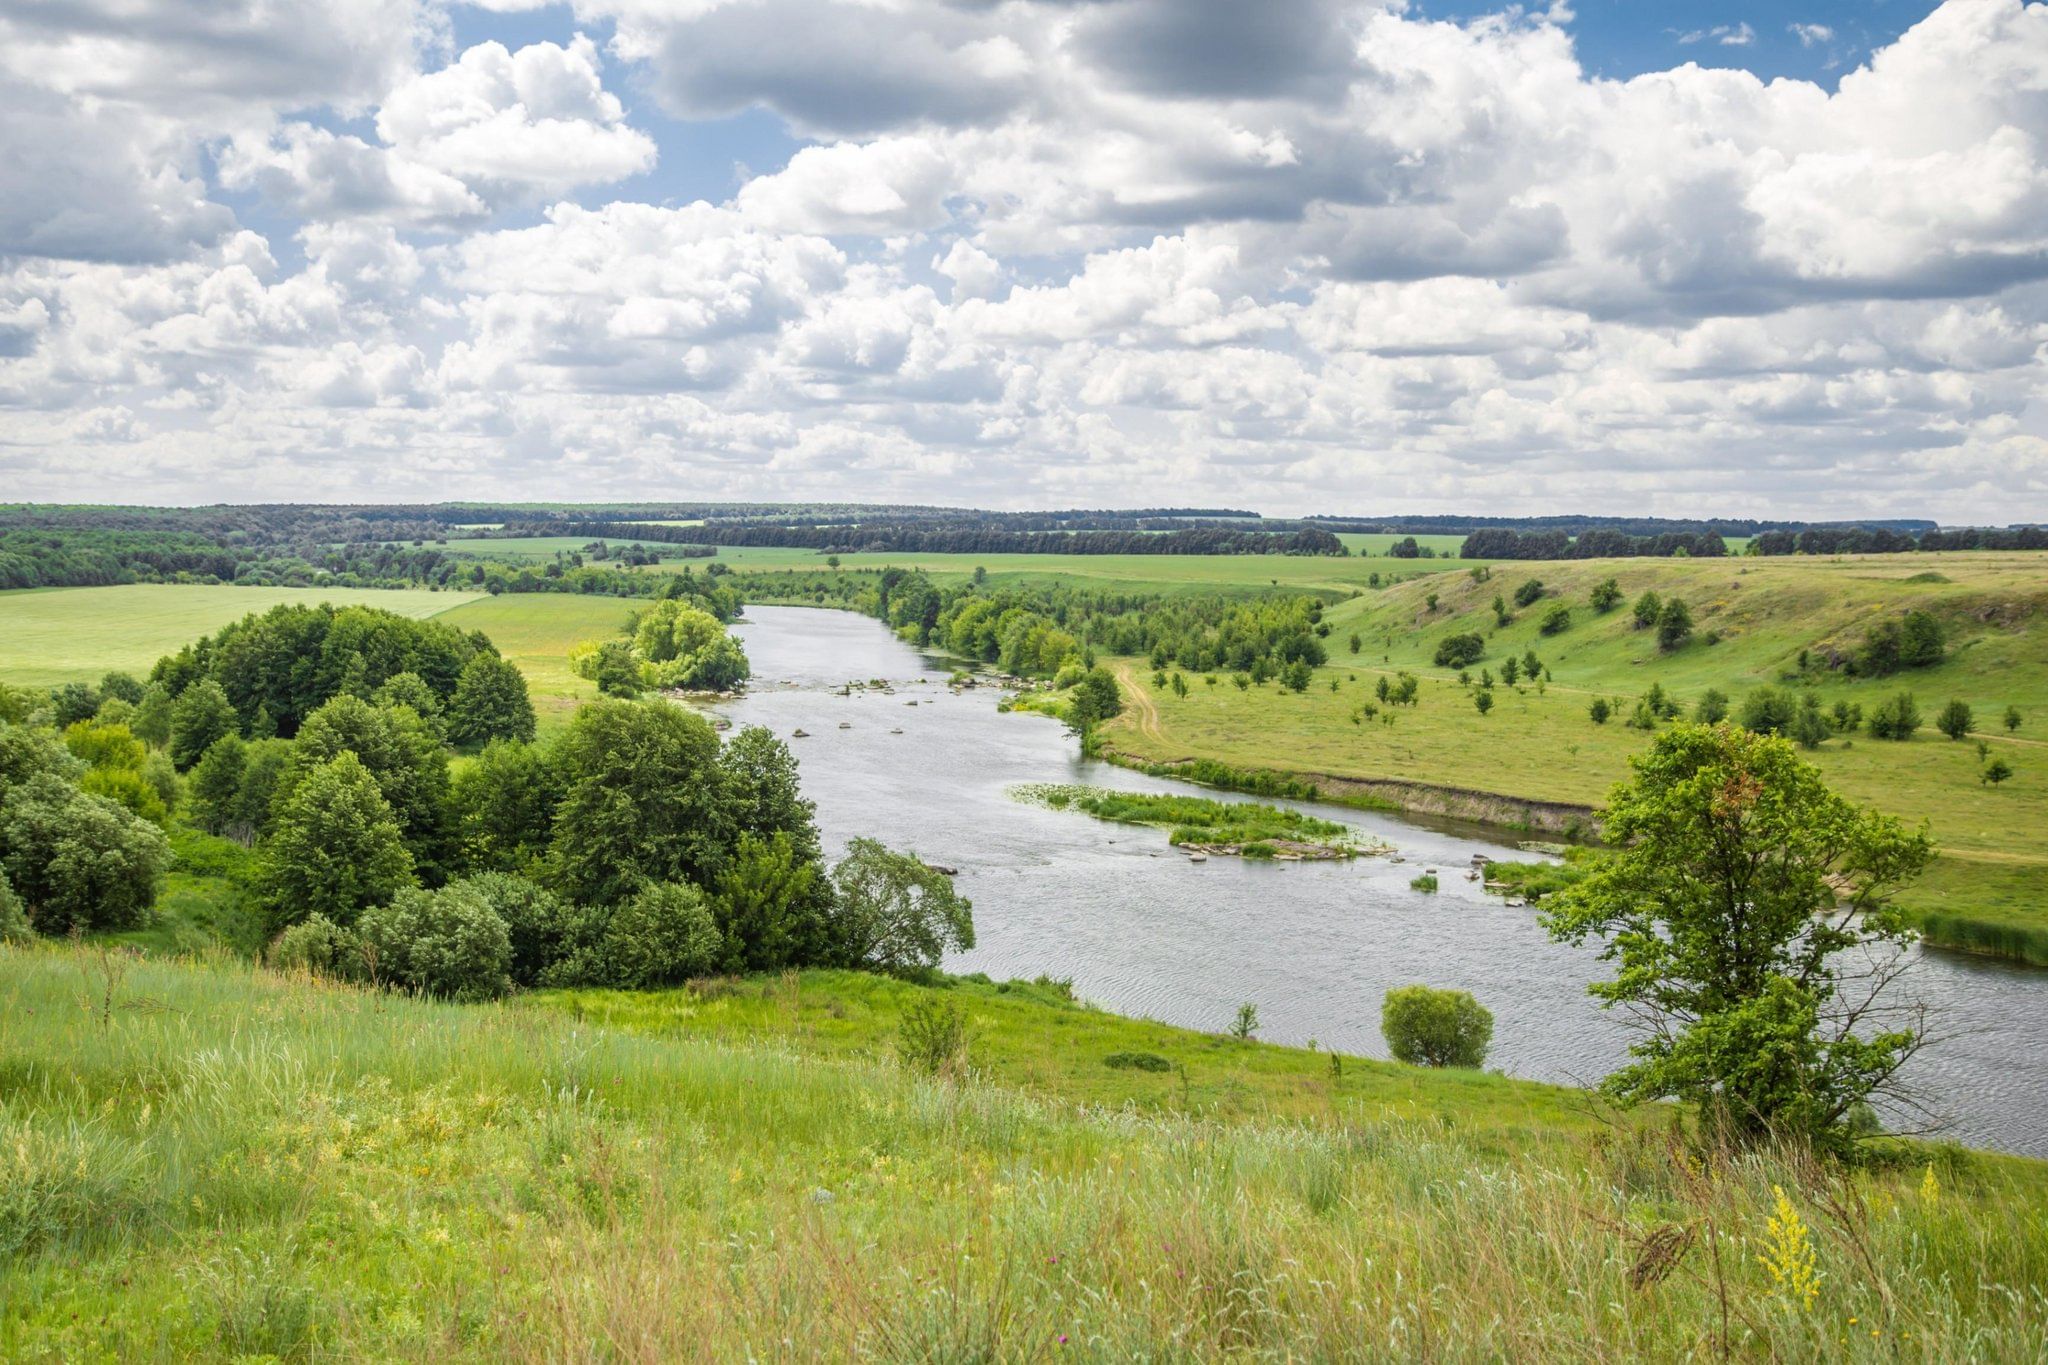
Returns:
<point x="1540" y="743"/>
<point x="55" y="635"/>
<point x="202" y="1159"/>
<point x="536" y="631"/>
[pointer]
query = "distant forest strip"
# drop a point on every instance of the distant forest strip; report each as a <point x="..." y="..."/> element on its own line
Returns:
<point x="919" y="538"/>
<point x="1814" y="540"/>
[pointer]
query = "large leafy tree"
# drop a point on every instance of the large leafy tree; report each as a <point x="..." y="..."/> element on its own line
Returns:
<point x="76" y="860"/>
<point x="402" y="754"/>
<point x="641" y="787"/>
<point x="334" y="848"/>
<point x="490" y="702"/>
<point x="505" y="807"/>
<point x="201" y="715"/>
<point x="895" y="913"/>
<point x="1745" y="908"/>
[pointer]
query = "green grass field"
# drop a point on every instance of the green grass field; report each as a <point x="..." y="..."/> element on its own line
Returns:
<point x="1540" y="743"/>
<point x="204" y="1160"/>
<point x="536" y="631"/>
<point x="55" y="635"/>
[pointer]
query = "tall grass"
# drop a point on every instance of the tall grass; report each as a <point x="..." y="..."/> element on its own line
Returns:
<point x="234" y="1163"/>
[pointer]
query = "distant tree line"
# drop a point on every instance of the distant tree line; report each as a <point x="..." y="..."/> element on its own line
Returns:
<point x="1590" y="544"/>
<point x="1879" y="540"/>
<point x="921" y="538"/>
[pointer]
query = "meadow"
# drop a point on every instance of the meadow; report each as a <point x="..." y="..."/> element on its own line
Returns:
<point x="1540" y="743"/>
<point x="58" y="635"/>
<point x="201" y="1158"/>
<point x="536" y="631"/>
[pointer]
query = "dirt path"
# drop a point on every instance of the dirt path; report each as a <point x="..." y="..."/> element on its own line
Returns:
<point x="1142" y="710"/>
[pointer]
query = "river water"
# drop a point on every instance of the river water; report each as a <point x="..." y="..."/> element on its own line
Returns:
<point x="1142" y="930"/>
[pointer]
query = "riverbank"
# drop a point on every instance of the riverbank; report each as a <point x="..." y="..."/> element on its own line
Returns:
<point x="260" y="1166"/>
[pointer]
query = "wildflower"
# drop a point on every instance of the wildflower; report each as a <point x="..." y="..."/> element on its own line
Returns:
<point x="1930" y="1188"/>
<point x="1790" y="1257"/>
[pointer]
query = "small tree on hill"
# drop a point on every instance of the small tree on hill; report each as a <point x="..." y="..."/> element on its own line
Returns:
<point x="1737" y="883"/>
<point x="1606" y="596"/>
<point x="1711" y="708"/>
<point x="1557" y="620"/>
<point x="1600" y="710"/>
<point x="1483" y="699"/>
<point x="2012" y="719"/>
<point x="1674" y="624"/>
<point x="1647" y="608"/>
<point x="1895" y="718"/>
<point x="1956" y="720"/>
<point x="1995" y="772"/>
<point x="1428" y="1027"/>
<point x="1809" y="727"/>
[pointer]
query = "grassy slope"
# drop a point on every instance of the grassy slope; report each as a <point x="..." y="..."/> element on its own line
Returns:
<point x="1542" y="745"/>
<point x="58" y="635"/>
<point x="238" y="1164"/>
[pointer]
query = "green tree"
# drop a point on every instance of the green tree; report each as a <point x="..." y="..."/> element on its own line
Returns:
<point x="769" y="906"/>
<point x="14" y="925"/>
<point x="1711" y="708"/>
<point x="448" y="943"/>
<point x="409" y="689"/>
<point x="538" y="925"/>
<point x="1511" y="670"/>
<point x="1674" y="624"/>
<point x="1428" y="1027"/>
<point x="404" y="756"/>
<point x="334" y="848"/>
<point x="1600" y="710"/>
<point x="1460" y="651"/>
<point x="121" y="686"/>
<point x="1956" y="720"/>
<point x="504" y="802"/>
<point x="1606" y="596"/>
<point x="1096" y="698"/>
<point x="2012" y="720"/>
<point x="894" y="913"/>
<point x="1557" y="620"/>
<point x="79" y="861"/>
<point x="662" y="935"/>
<point x="217" y="785"/>
<point x="1528" y="592"/>
<point x="1355" y="642"/>
<point x="1809" y="727"/>
<point x="1995" y="772"/>
<point x="26" y="750"/>
<point x="641" y="801"/>
<point x="1737" y="882"/>
<point x="1297" y="676"/>
<point x="1483" y="699"/>
<point x="152" y="719"/>
<point x="1897" y="717"/>
<point x="201" y="715"/>
<point x="490" y="702"/>
<point x="1768" y="711"/>
<point x="1648" y="608"/>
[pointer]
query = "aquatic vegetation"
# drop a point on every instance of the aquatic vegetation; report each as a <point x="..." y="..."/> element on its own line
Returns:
<point x="1246" y="828"/>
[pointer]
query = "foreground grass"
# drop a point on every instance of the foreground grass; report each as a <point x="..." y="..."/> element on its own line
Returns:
<point x="59" y="635"/>
<point x="238" y="1164"/>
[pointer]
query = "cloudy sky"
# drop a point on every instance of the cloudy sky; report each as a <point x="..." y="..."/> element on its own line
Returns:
<point x="1296" y="255"/>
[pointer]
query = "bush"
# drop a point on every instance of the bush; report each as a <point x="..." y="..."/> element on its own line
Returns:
<point x="1137" y="1061"/>
<point x="1809" y="727"/>
<point x="1895" y="718"/>
<point x="1425" y="882"/>
<point x="1557" y="620"/>
<point x="1600" y="710"/>
<point x="317" y="945"/>
<point x="1606" y="595"/>
<point x="1712" y="707"/>
<point x="79" y="861"/>
<point x="1427" y="1027"/>
<point x="1674" y="625"/>
<point x="335" y="848"/>
<point x="14" y="926"/>
<point x="1956" y="720"/>
<point x="663" y="936"/>
<point x="1995" y="772"/>
<point x="1648" y="606"/>
<point x="1768" y="711"/>
<point x="932" y="1037"/>
<point x="1528" y="592"/>
<point x="447" y="943"/>
<point x="1460" y="651"/>
<point x="538" y="923"/>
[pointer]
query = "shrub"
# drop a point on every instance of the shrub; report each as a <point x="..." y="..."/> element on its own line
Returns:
<point x="1428" y="1027"/>
<point x="1246" y="1023"/>
<point x="1956" y="720"/>
<point x="1712" y="707"/>
<point x="2012" y="719"/>
<point x="1460" y="651"/>
<point x="1483" y="699"/>
<point x="1895" y="718"/>
<point x="79" y="861"/>
<point x="1557" y="620"/>
<point x="932" y="1037"/>
<point x="1606" y="596"/>
<point x="1767" y="711"/>
<point x="663" y="936"/>
<point x="1528" y="592"/>
<point x="447" y="943"/>
<point x="1137" y="1061"/>
<point x="1674" y="625"/>
<point x="1809" y="727"/>
<point x="1995" y="772"/>
<point x="1600" y="710"/>
<point x="318" y="945"/>
<point x="537" y="922"/>
<point x="1648" y="606"/>
<point x="14" y="927"/>
<point x="1425" y="882"/>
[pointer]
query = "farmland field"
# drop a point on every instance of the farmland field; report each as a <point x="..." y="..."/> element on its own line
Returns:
<point x="56" y="635"/>
<point x="536" y="631"/>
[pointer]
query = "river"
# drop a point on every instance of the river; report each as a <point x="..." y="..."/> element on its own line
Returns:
<point x="1142" y="930"/>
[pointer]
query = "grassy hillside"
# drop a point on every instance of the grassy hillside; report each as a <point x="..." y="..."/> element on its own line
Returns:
<point x="56" y="635"/>
<point x="1540" y="743"/>
<point x="235" y="1164"/>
